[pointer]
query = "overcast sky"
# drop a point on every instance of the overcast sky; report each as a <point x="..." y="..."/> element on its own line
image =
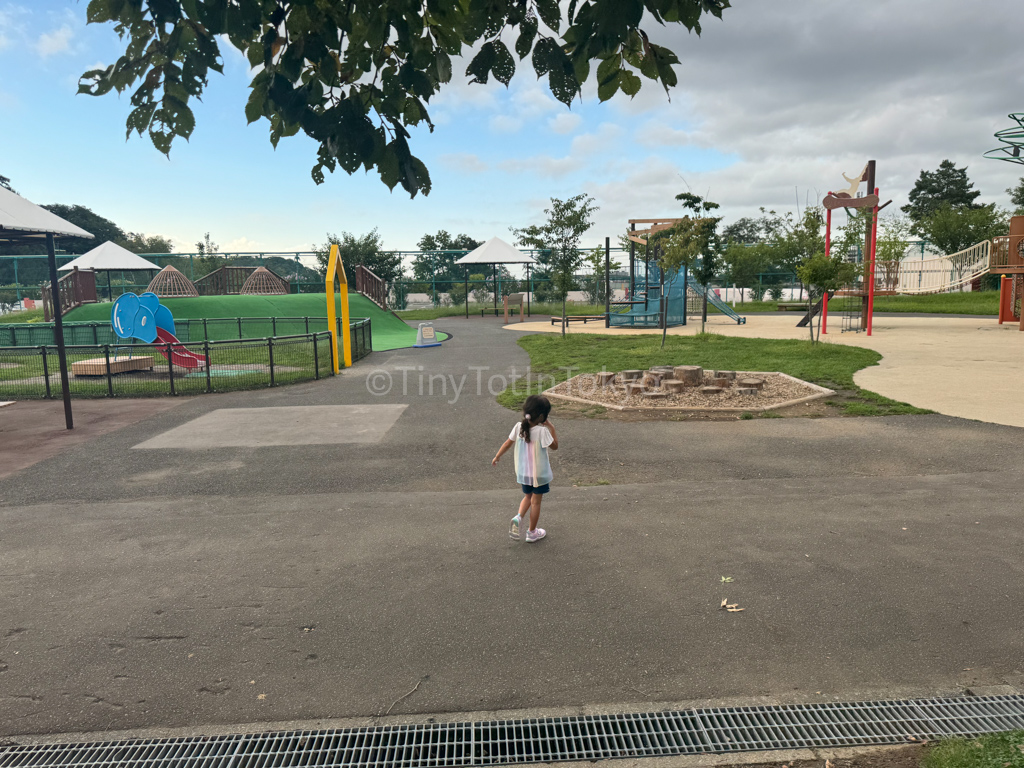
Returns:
<point x="775" y="102"/>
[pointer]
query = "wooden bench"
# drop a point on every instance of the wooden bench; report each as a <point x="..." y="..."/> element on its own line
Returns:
<point x="492" y="311"/>
<point x="575" y="318"/>
<point x="785" y="306"/>
<point x="97" y="366"/>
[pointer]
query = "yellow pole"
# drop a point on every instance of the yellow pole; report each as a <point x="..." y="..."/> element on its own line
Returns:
<point x="335" y="269"/>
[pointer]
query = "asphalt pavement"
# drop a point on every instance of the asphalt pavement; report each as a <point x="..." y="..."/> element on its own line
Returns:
<point x="217" y="584"/>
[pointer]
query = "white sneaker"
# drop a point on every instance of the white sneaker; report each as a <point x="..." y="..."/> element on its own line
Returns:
<point x="513" y="528"/>
<point x="535" y="535"/>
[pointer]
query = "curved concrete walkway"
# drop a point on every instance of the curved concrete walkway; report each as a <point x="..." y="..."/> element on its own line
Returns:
<point x="970" y="367"/>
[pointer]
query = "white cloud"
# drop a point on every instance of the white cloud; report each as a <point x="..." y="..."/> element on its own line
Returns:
<point x="463" y="162"/>
<point x="243" y="245"/>
<point x="58" y="41"/>
<point x="505" y="124"/>
<point x="565" y="122"/>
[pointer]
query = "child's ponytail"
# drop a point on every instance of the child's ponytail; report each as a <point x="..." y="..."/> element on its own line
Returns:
<point x="536" y="410"/>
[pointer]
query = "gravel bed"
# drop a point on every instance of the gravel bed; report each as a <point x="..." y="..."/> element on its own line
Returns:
<point x="777" y="389"/>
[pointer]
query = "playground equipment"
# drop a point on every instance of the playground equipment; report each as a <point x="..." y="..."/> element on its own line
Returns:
<point x="146" y="319"/>
<point x="656" y="298"/>
<point x="336" y="274"/>
<point x="263" y="282"/>
<point x="858" y="313"/>
<point x="1007" y="260"/>
<point x="169" y="283"/>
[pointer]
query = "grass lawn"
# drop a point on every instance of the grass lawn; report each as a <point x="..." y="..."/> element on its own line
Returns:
<point x="23" y="316"/>
<point x="975" y="303"/>
<point x="829" y="365"/>
<point x="996" y="750"/>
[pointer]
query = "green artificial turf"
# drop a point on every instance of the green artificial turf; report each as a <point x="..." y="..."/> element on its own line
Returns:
<point x="388" y="331"/>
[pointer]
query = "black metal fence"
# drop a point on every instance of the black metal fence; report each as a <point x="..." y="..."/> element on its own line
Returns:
<point x="196" y="367"/>
<point x="202" y="329"/>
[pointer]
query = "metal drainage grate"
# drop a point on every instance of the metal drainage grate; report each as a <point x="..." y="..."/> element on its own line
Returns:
<point x="688" y="732"/>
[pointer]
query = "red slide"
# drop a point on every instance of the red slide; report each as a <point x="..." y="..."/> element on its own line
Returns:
<point x="181" y="357"/>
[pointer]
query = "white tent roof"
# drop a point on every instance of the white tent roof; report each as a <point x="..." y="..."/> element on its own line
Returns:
<point x="21" y="219"/>
<point x="496" y="251"/>
<point x="109" y="256"/>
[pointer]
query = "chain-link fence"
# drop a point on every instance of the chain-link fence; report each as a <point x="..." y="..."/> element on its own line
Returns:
<point x="191" y="367"/>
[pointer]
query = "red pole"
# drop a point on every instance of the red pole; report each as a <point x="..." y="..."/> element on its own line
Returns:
<point x="828" y="251"/>
<point x="871" y="279"/>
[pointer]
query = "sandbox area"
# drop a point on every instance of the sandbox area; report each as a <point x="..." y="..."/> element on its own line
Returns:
<point x="688" y="388"/>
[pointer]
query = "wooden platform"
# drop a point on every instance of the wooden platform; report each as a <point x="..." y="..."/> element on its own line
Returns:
<point x="98" y="365"/>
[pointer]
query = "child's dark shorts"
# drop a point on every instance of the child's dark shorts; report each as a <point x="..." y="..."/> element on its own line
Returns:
<point x="528" y="489"/>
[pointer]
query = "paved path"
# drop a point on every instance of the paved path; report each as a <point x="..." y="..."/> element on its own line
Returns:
<point x="212" y="585"/>
<point x="970" y="367"/>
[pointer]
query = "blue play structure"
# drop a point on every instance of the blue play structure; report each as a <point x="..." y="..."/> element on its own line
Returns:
<point x="645" y="307"/>
<point x="139" y="317"/>
<point x="146" y="319"/>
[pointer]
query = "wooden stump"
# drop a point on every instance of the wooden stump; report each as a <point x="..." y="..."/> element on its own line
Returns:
<point x="673" y="386"/>
<point x="725" y="375"/>
<point x="711" y="390"/>
<point x="605" y="378"/>
<point x="757" y="384"/>
<point x="690" y="375"/>
<point x="655" y="395"/>
<point x="635" y="389"/>
<point x="666" y="371"/>
<point x="631" y="375"/>
<point x="746" y="391"/>
<point x="720" y="382"/>
<point x="652" y="379"/>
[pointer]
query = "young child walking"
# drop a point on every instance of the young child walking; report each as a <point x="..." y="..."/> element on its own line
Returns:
<point x="533" y="437"/>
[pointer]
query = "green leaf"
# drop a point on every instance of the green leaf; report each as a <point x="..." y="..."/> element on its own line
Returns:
<point x="480" y="67"/>
<point x="550" y="13"/>
<point x="256" y="105"/>
<point x="629" y="83"/>
<point x="527" y="33"/>
<point x="98" y="11"/>
<point x="504" y="66"/>
<point x="608" y="78"/>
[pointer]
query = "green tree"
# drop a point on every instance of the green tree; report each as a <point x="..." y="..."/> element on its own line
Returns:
<point x="594" y="283"/>
<point x="824" y="274"/>
<point x="947" y="185"/>
<point x="6" y="183"/>
<point x="207" y="260"/>
<point x="361" y="249"/>
<point x="139" y="243"/>
<point x="435" y="263"/>
<point x="1016" y="197"/>
<point x="568" y="220"/>
<point x="953" y="229"/>
<point x="745" y="230"/>
<point x="355" y="76"/>
<point x="692" y="242"/>
<point x="102" y="229"/>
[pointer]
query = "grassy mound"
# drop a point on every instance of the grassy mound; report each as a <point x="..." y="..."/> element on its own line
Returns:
<point x="388" y="331"/>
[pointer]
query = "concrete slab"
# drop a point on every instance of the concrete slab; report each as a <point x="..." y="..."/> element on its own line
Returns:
<point x="287" y="425"/>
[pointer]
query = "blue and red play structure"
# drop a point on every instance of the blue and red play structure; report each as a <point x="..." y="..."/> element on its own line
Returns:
<point x="146" y="319"/>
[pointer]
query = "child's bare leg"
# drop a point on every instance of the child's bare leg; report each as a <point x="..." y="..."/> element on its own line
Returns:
<point x="535" y="510"/>
<point x="524" y="505"/>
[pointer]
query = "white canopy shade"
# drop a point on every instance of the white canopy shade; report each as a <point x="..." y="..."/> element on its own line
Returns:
<point x="496" y="251"/>
<point x="20" y="219"/>
<point x="109" y="256"/>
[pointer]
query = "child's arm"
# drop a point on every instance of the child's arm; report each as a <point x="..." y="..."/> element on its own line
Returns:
<point x="501" y="451"/>
<point x="554" y="436"/>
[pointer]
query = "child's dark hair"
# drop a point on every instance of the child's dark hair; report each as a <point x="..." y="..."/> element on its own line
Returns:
<point x="536" y="408"/>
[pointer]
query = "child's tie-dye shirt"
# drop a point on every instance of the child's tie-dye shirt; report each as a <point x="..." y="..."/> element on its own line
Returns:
<point x="532" y="465"/>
